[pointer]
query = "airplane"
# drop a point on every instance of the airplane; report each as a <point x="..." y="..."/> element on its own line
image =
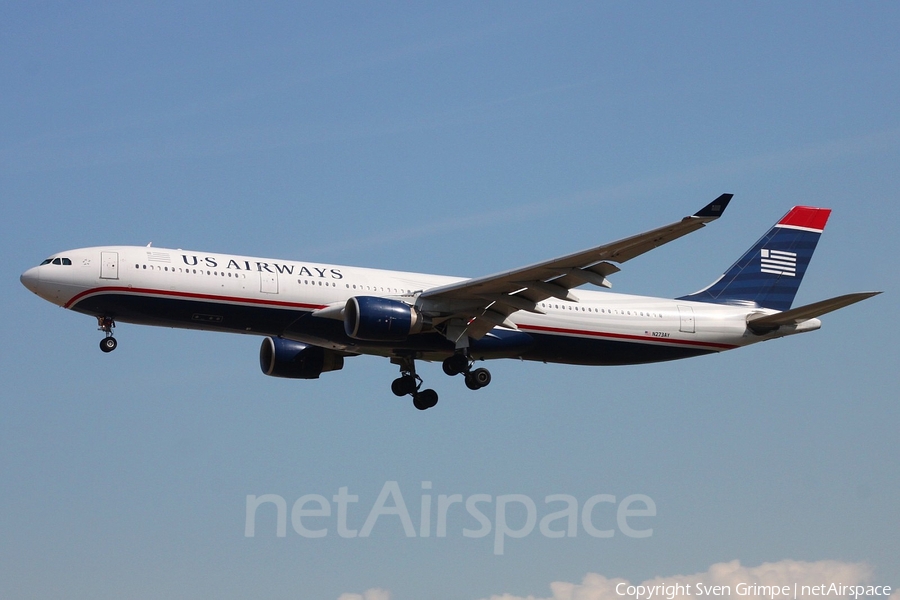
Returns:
<point x="313" y="316"/>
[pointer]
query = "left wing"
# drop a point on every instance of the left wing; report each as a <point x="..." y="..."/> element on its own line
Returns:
<point x="484" y="302"/>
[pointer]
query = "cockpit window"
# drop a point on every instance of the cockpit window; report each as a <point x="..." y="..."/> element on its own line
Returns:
<point x="66" y="261"/>
<point x="46" y="262"/>
<point x="57" y="261"/>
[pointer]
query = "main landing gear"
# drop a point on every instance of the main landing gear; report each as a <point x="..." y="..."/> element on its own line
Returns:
<point x="408" y="384"/>
<point x="106" y="325"/>
<point x="460" y="363"/>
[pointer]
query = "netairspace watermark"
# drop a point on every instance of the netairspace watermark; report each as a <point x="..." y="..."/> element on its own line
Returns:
<point x="774" y="592"/>
<point x="600" y="516"/>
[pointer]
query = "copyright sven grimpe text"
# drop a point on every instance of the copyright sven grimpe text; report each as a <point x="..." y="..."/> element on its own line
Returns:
<point x="773" y="592"/>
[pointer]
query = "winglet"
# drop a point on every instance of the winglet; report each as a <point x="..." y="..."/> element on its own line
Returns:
<point x="714" y="209"/>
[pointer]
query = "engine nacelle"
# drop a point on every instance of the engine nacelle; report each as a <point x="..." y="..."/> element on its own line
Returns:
<point x="376" y="319"/>
<point x="279" y="357"/>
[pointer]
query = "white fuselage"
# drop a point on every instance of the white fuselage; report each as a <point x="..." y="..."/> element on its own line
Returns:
<point x="202" y="290"/>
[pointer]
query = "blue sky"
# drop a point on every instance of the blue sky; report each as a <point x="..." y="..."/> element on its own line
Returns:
<point x="460" y="139"/>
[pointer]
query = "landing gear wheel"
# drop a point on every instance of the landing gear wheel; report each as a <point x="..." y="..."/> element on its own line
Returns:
<point x="456" y="364"/>
<point x="470" y="382"/>
<point x="425" y="399"/>
<point x="477" y="379"/>
<point x="482" y="377"/>
<point x="408" y="384"/>
<point x="106" y="325"/>
<point x="404" y="385"/>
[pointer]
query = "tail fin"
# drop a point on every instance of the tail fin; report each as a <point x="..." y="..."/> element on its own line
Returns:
<point x="769" y="274"/>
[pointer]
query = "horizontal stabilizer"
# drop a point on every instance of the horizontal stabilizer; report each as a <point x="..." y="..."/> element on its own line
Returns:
<point x="768" y="323"/>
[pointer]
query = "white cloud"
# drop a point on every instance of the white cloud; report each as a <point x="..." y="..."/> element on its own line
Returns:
<point x="371" y="594"/>
<point x="783" y="573"/>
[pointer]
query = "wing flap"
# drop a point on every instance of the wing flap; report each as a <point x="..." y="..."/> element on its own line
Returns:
<point x="516" y="301"/>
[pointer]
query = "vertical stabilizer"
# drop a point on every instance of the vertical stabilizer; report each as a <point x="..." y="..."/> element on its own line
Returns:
<point x="769" y="274"/>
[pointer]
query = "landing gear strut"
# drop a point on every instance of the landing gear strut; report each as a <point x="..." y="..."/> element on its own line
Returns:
<point x="460" y="363"/>
<point x="106" y="325"/>
<point x="408" y="384"/>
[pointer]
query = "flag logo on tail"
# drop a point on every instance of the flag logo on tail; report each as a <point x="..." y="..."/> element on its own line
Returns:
<point x="778" y="262"/>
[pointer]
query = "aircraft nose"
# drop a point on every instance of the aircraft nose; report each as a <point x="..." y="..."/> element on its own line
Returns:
<point x="31" y="278"/>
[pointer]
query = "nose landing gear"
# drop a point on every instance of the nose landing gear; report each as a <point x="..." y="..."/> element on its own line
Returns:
<point x="106" y="325"/>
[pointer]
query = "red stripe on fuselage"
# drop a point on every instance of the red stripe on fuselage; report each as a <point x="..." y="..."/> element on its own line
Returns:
<point x="280" y="303"/>
<point x="189" y="296"/>
<point x="625" y="336"/>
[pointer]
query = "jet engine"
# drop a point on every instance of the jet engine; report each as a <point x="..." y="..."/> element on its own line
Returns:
<point x="279" y="357"/>
<point x="377" y="319"/>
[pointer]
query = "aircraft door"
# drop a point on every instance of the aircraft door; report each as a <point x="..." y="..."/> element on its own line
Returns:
<point x="109" y="265"/>
<point x="268" y="282"/>
<point x="686" y="318"/>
